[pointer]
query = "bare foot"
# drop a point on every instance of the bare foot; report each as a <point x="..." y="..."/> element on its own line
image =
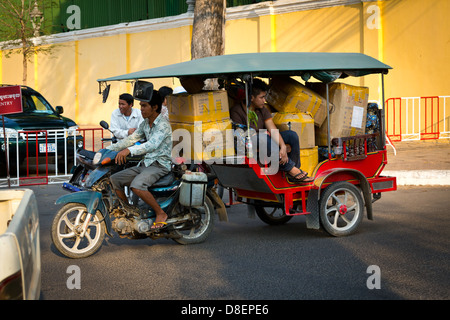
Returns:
<point x="160" y="221"/>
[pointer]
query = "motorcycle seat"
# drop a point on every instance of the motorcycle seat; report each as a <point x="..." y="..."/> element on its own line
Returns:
<point x="164" y="181"/>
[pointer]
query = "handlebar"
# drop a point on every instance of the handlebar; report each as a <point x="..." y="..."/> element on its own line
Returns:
<point x="113" y="139"/>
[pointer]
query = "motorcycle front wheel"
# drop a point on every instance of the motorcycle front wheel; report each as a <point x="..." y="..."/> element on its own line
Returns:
<point x="66" y="231"/>
<point x="200" y="225"/>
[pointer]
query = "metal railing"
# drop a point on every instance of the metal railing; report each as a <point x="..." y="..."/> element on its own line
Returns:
<point x="44" y="156"/>
<point x="418" y="118"/>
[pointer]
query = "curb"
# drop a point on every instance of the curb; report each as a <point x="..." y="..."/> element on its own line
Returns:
<point x="420" y="178"/>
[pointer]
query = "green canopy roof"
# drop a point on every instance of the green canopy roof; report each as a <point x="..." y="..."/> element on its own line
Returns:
<point x="265" y="64"/>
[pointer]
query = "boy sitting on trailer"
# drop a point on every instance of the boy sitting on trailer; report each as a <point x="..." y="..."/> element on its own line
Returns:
<point x="289" y="156"/>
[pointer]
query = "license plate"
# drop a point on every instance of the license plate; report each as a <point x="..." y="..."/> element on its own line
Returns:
<point x="51" y="147"/>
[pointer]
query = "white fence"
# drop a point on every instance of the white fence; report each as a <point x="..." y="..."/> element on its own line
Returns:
<point x="418" y="118"/>
<point x="43" y="156"/>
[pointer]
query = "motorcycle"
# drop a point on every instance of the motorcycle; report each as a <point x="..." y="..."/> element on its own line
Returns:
<point x="93" y="208"/>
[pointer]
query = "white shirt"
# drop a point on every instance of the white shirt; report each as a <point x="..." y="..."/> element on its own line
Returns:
<point x="120" y="124"/>
<point x="165" y="112"/>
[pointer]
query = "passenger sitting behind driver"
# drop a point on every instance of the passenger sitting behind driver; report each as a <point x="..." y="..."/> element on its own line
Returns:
<point x="125" y="119"/>
<point x="157" y="161"/>
<point x="289" y="159"/>
<point x="164" y="92"/>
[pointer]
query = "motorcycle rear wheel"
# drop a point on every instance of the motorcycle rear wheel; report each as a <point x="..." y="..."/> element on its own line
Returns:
<point x="200" y="230"/>
<point x="65" y="231"/>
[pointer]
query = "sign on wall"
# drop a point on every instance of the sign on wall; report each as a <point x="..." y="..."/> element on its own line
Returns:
<point x="10" y="100"/>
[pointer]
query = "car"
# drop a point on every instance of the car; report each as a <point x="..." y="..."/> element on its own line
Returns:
<point x="20" y="248"/>
<point x="40" y="128"/>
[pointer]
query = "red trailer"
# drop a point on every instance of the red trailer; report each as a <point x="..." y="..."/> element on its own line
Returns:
<point x="348" y="180"/>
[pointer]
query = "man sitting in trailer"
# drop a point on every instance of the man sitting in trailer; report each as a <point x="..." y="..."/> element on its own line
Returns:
<point x="287" y="141"/>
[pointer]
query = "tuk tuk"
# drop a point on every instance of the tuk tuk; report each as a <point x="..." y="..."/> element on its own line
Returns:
<point x="348" y="175"/>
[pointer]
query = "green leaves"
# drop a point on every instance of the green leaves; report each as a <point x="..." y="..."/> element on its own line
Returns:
<point x="253" y="117"/>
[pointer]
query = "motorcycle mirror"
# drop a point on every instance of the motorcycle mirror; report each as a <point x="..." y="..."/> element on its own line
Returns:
<point x="143" y="91"/>
<point x="104" y="124"/>
<point x="105" y="93"/>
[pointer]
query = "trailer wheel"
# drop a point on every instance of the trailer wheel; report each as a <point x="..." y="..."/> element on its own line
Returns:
<point x="341" y="209"/>
<point x="272" y="216"/>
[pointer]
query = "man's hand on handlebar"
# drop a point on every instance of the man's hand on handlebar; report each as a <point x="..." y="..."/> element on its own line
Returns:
<point x="121" y="157"/>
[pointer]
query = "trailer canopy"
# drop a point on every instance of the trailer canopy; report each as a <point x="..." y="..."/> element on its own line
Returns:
<point x="324" y="66"/>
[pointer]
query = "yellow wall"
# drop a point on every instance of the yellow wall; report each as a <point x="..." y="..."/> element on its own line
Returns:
<point x="414" y="38"/>
<point x="417" y="44"/>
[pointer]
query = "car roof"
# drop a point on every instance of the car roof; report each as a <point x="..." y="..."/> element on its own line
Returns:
<point x="23" y="87"/>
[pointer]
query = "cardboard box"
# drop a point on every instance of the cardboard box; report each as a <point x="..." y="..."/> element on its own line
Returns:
<point x="309" y="159"/>
<point x="348" y="115"/>
<point x="289" y="96"/>
<point x="204" y="140"/>
<point x="301" y="123"/>
<point x="206" y="106"/>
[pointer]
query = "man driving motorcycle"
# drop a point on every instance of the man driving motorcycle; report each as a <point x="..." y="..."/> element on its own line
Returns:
<point x="157" y="160"/>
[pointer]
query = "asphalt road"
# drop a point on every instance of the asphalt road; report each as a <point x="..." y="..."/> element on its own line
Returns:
<point x="245" y="259"/>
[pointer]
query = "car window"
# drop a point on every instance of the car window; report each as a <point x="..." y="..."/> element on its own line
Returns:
<point x="34" y="103"/>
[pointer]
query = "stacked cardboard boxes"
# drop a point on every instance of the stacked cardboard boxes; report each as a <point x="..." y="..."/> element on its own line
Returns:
<point x="201" y="125"/>
<point x="348" y="115"/>
<point x="207" y="131"/>
<point x="309" y="158"/>
<point x="301" y="123"/>
<point x="290" y="96"/>
<point x="301" y="110"/>
<point x="206" y="107"/>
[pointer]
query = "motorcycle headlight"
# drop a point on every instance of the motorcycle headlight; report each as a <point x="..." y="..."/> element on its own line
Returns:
<point x="97" y="158"/>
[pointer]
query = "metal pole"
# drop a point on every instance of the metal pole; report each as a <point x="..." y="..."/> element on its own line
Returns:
<point x="248" y="88"/>
<point x="328" y="122"/>
<point x="383" y="121"/>
<point x="5" y="143"/>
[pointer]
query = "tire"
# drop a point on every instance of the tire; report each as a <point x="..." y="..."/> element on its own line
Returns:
<point x="65" y="235"/>
<point x="198" y="232"/>
<point x="272" y="216"/>
<point x="341" y="209"/>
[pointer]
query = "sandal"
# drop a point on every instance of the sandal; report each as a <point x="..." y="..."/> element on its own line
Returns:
<point x="299" y="177"/>
<point x="159" y="225"/>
